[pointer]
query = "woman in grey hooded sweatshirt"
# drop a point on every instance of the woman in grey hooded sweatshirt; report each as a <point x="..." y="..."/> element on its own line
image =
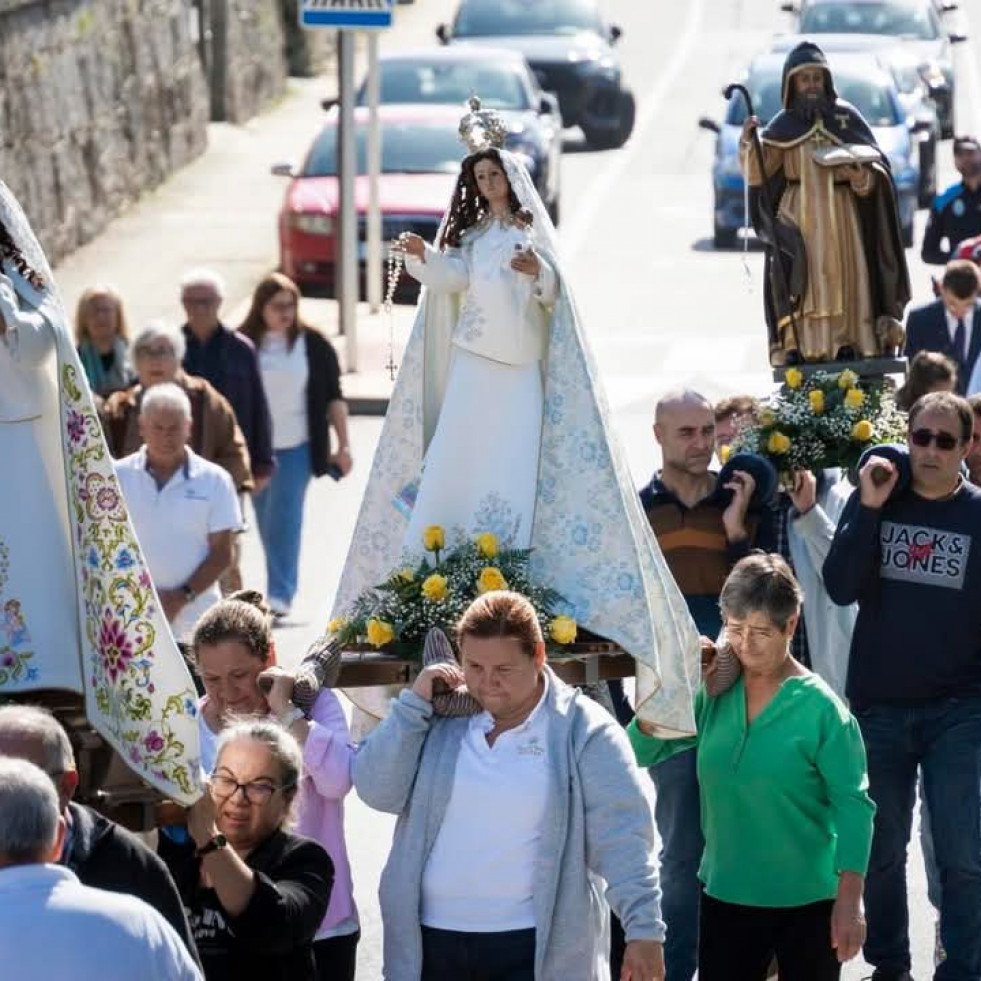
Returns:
<point x="510" y="822"/>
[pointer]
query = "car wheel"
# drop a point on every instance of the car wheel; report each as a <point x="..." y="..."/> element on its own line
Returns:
<point x="724" y="238"/>
<point x="611" y="138"/>
<point x="907" y="234"/>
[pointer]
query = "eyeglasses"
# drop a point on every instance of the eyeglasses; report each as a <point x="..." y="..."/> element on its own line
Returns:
<point x="200" y="301"/>
<point x="164" y="351"/>
<point x="924" y="437"/>
<point x="258" y="792"/>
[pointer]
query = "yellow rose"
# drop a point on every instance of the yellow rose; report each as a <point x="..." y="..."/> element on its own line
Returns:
<point x="767" y="418"/>
<point x="405" y="575"/>
<point x="854" y="398"/>
<point x="793" y="378"/>
<point x="490" y="578"/>
<point x="336" y="625"/>
<point x="862" y="431"/>
<point x="778" y="443"/>
<point x="724" y="453"/>
<point x="434" y="538"/>
<point x="380" y="633"/>
<point x="847" y="379"/>
<point x="487" y="544"/>
<point x="434" y="588"/>
<point x="562" y="630"/>
<point x="816" y="398"/>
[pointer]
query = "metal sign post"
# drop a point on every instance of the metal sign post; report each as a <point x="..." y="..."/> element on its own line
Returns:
<point x="346" y="284"/>
<point x="346" y="16"/>
<point x="373" y="267"/>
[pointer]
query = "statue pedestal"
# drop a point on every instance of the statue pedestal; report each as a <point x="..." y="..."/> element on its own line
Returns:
<point x="867" y="369"/>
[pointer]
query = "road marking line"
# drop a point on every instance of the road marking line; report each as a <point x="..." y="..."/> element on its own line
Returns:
<point x="969" y="61"/>
<point x="602" y="184"/>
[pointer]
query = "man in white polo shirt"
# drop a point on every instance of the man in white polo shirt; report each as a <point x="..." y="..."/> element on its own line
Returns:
<point x="185" y="509"/>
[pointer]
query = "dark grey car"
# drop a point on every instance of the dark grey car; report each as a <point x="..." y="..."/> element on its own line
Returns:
<point x="571" y="50"/>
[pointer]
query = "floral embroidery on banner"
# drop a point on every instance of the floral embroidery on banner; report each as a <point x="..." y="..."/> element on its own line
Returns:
<point x="120" y="608"/>
<point x="16" y="653"/>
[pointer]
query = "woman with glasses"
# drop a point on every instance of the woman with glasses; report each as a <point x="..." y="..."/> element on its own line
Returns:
<point x="302" y="379"/>
<point x="255" y="894"/>
<point x="785" y="813"/>
<point x="233" y="652"/>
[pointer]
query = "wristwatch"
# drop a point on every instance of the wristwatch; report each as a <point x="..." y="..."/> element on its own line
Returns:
<point x="293" y="714"/>
<point x="188" y="593"/>
<point x="216" y="843"/>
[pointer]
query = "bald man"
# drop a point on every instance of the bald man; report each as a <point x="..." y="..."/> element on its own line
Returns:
<point x="703" y="530"/>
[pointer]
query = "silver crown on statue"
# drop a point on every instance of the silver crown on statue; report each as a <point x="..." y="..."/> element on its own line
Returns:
<point x="481" y="129"/>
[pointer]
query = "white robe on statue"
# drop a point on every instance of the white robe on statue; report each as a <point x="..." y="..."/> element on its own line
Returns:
<point x="77" y="606"/>
<point x="497" y="422"/>
<point x="495" y="375"/>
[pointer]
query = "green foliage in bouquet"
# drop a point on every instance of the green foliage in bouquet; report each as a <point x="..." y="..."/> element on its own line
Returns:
<point x="397" y="614"/>
<point x="825" y="420"/>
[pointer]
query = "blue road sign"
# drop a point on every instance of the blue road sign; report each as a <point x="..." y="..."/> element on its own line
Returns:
<point x="352" y="14"/>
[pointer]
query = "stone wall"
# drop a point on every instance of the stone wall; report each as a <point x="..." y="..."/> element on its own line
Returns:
<point x="100" y="100"/>
<point x="246" y="56"/>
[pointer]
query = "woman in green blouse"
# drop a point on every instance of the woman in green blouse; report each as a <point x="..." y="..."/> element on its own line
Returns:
<point x="785" y="812"/>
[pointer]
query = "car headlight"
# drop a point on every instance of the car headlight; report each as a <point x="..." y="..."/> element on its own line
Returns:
<point x="312" y="222"/>
<point x="606" y="67"/>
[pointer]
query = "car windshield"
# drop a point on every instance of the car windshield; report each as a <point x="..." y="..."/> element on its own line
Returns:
<point x="452" y="83"/>
<point x="407" y="148"/>
<point x="490" y="18"/>
<point x="908" y="20"/>
<point x="872" y="99"/>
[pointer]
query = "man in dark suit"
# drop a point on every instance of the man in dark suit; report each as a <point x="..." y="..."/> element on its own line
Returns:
<point x="950" y="325"/>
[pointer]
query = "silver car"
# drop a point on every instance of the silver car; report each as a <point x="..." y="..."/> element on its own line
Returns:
<point x="915" y="23"/>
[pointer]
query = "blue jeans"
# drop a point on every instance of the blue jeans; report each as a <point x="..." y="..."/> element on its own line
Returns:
<point x="678" y="813"/>
<point x="943" y="738"/>
<point x="279" y="515"/>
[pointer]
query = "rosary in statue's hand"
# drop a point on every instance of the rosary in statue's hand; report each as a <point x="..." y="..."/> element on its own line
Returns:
<point x="413" y="244"/>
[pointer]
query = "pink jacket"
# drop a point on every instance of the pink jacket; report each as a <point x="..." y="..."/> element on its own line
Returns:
<point x="327" y="756"/>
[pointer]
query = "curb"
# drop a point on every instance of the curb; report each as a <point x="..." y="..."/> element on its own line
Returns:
<point x="366" y="405"/>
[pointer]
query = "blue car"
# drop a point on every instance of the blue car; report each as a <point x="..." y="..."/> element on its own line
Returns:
<point x="860" y="80"/>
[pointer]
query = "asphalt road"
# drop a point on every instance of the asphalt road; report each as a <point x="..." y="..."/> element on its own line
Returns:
<point x="662" y="308"/>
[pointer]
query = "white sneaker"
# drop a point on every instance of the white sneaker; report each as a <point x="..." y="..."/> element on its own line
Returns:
<point x="279" y="608"/>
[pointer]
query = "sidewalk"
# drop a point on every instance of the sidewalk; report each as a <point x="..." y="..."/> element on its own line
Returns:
<point x="221" y="212"/>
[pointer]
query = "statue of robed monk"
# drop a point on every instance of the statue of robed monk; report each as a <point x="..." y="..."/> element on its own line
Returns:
<point x="823" y="202"/>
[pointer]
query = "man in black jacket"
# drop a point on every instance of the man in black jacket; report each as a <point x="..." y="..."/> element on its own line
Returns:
<point x="101" y="853"/>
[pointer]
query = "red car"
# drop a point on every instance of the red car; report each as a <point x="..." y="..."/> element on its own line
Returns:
<point x="421" y="154"/>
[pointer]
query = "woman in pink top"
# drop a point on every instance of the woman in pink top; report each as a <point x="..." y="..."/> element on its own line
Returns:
<point x="233" y="650"/>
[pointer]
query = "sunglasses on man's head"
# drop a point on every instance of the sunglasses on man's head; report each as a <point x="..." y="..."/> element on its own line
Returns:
<point x="924" y="437"/>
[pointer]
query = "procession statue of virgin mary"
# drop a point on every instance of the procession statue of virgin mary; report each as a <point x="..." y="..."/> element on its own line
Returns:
<point x="498" y="423"/>
<point x="78" y="610"/>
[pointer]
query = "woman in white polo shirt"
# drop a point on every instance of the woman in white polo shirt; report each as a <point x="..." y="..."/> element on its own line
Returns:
<point x="302" y="379"/>
<point x="508" y="819"/>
